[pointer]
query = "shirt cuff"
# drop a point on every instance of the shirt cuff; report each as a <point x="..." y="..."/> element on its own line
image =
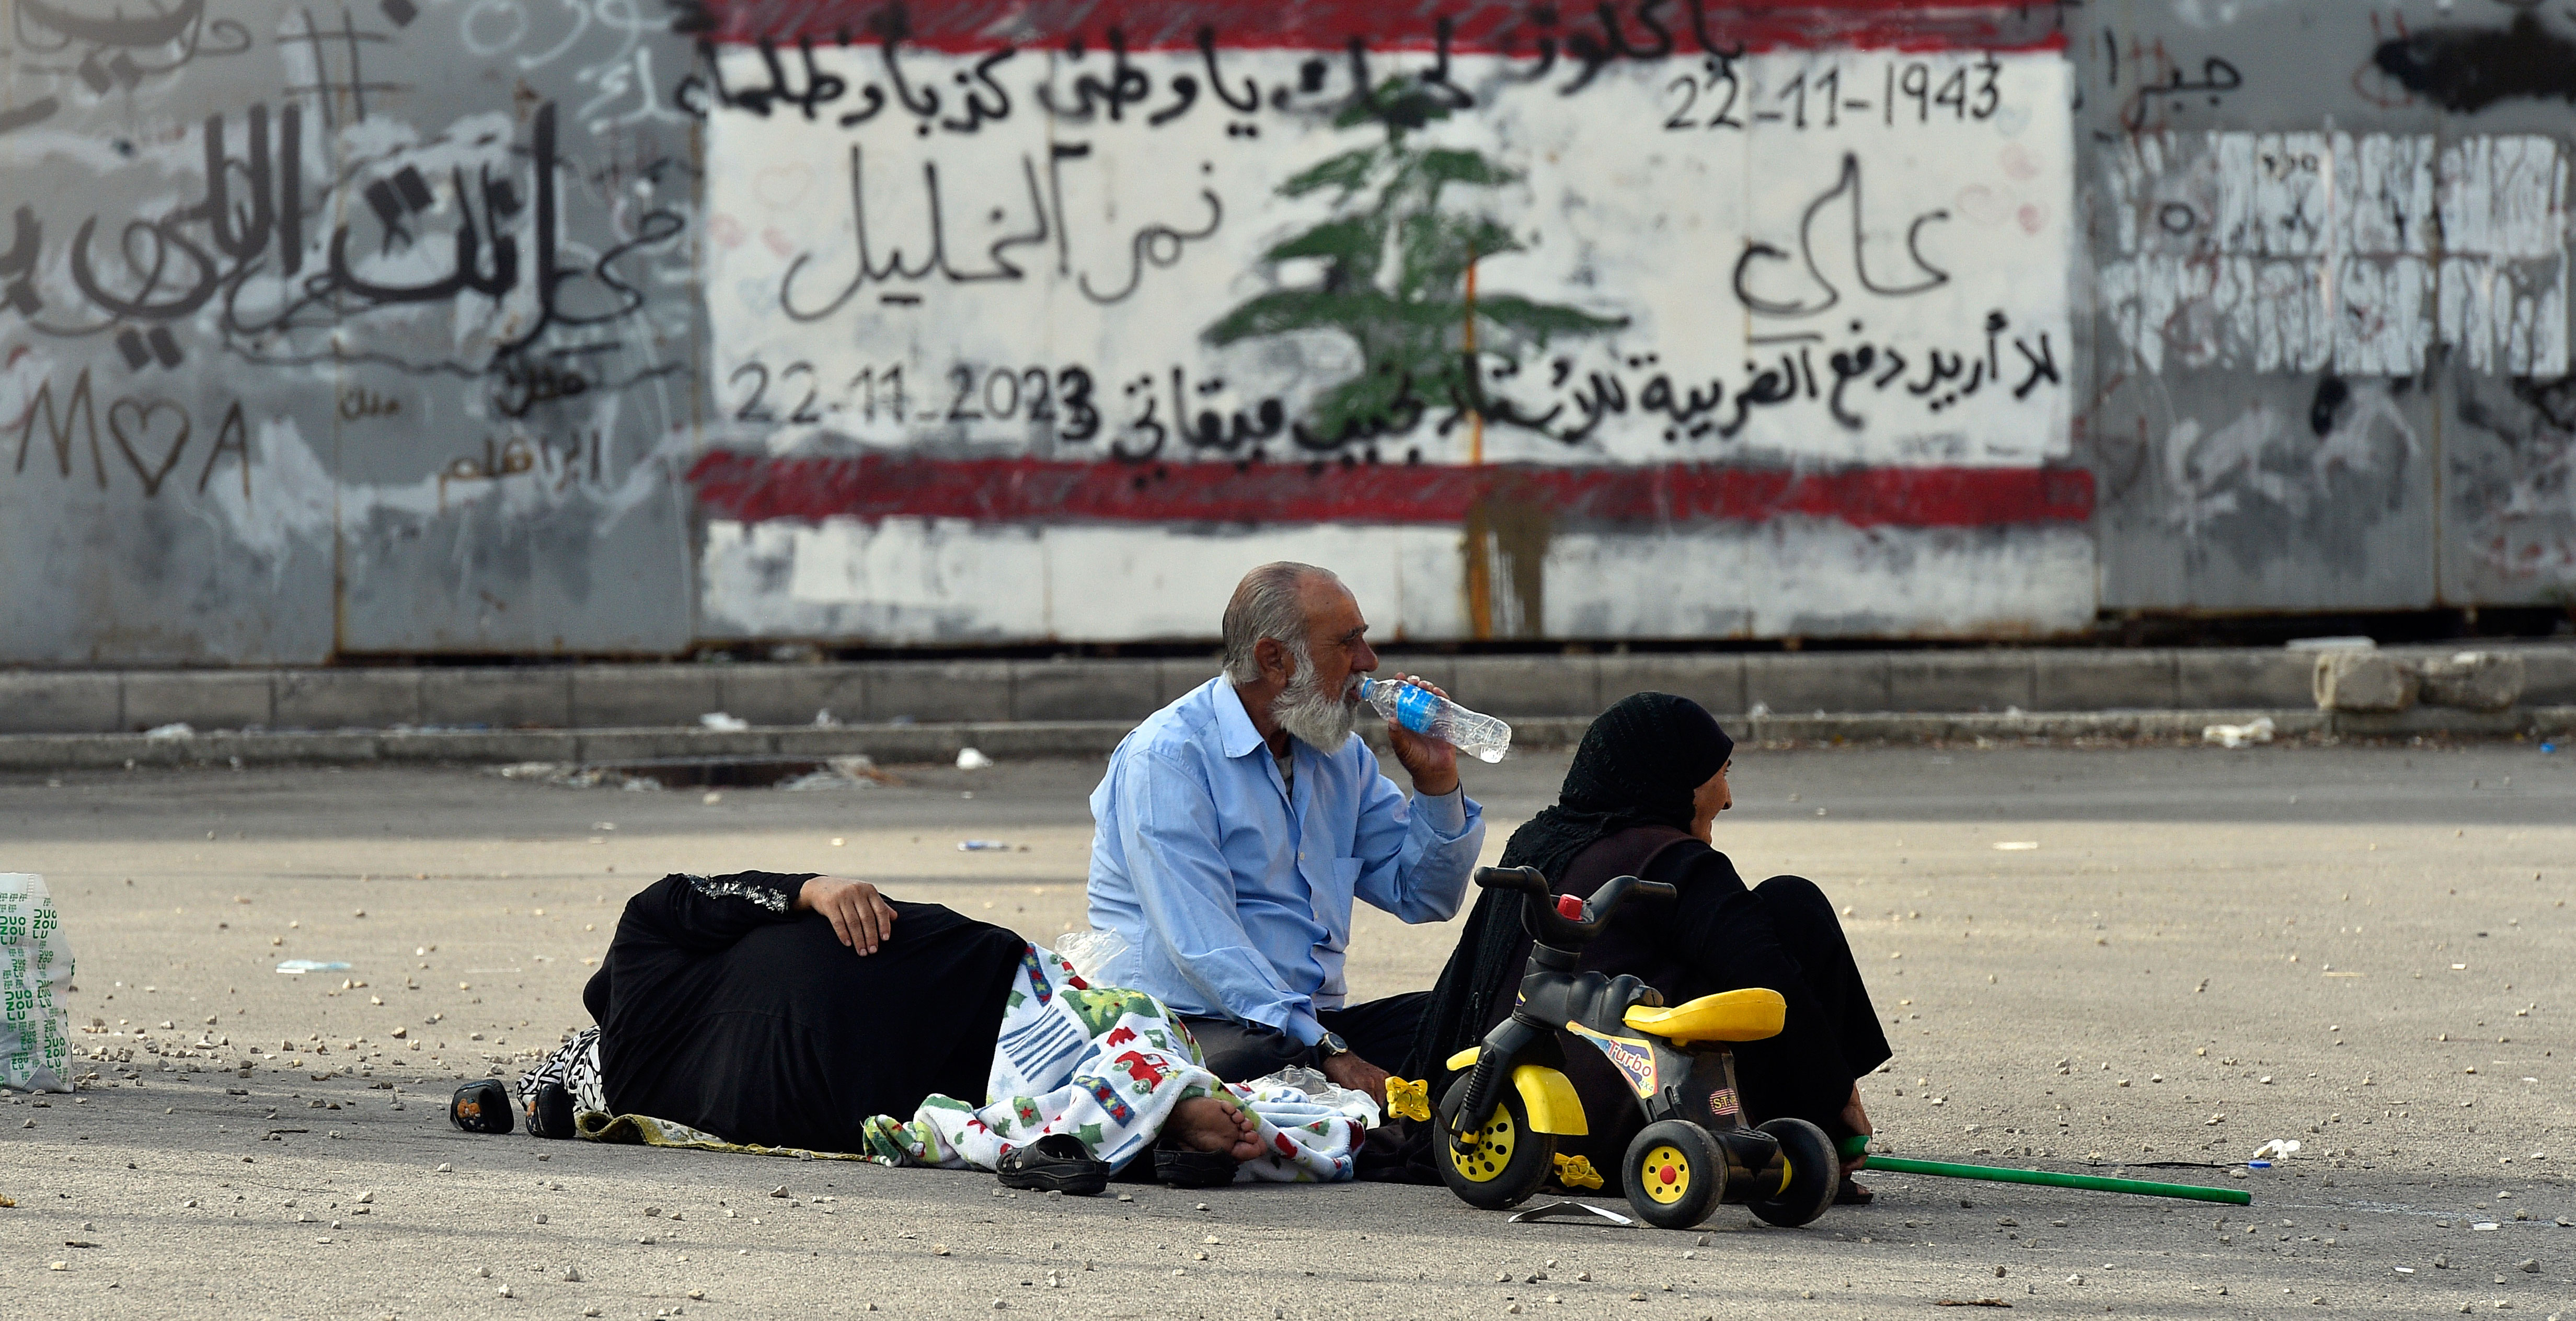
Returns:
<point x="1304" y="1028"/>
<point x="1447" y="813"/>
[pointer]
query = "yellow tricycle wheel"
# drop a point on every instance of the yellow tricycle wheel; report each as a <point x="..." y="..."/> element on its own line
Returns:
<point x="1674" y="1173"/>
<point x="1665" y="1175"/>
<point x="1498" y="1163"/>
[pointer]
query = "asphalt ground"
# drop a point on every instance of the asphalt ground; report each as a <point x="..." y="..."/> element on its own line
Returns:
<point x="2362" y="949"/>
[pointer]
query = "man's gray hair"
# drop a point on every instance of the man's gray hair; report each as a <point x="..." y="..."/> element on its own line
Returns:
<point x="1268" y="603"/>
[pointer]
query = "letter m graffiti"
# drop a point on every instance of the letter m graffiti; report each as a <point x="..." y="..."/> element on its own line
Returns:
<point x="78" y="412"/>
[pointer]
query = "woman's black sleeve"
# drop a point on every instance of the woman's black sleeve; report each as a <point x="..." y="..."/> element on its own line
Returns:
<point x="712" y="912"/>
<point x="1719" y="925"/>
<point x="1726" y="931"/>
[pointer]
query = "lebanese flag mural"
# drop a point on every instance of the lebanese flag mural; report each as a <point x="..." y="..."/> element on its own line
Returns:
<point x="1648" y="319"/>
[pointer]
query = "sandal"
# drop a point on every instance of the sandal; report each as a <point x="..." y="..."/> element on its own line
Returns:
<point x="549" y="1110"/>
<point x="481" y="1107"/>
<point x="1056" y="1163"/>
<point x="1182" y="1167"/>
<point x="1849" y="1193"/>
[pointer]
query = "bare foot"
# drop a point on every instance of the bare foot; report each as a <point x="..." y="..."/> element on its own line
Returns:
<point x="1214" y="1123"/>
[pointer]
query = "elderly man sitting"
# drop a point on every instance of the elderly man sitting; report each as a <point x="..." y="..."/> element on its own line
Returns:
<point x="1236" y="825"/>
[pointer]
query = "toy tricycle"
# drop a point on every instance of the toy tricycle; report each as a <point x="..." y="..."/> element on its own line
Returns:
<point x="1499" y="1124"/>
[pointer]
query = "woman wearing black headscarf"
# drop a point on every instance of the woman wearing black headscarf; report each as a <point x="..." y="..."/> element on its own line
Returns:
<point x="1642" y="799"/>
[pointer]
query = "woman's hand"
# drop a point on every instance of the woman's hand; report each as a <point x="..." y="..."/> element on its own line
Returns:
<point x="859" y="915"/>
<point x="1857" y="1120"/>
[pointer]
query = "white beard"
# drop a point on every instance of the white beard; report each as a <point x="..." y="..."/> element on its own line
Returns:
<point x="1320" y="720"/>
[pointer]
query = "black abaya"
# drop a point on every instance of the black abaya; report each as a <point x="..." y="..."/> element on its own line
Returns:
<point x="723" y="1008"/>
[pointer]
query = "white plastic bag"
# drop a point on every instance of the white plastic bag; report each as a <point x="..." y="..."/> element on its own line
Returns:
<point x="35" y="969"/>
<point x="1299" y="1078"/>
<point x="1090" y="952"/>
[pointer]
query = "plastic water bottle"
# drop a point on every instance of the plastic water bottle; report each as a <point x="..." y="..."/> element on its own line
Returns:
<point x="1426" y="712"/>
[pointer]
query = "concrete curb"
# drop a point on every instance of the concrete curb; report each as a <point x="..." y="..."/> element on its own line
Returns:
<point x="894" y="744"/>
<point x="1517" y="688"/>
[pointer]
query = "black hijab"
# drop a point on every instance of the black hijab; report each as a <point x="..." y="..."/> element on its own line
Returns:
<point x="1638" y="765"/>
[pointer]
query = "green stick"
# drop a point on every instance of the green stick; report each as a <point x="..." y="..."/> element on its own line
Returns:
<point x="2093" y="1182"/>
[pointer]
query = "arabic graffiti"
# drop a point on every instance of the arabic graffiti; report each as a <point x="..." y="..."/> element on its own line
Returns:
<point x="1152" y="244"/>
<point x="290" y="265"/>
<point x="2157" y="88"/>
<point x="1456" y="261"/>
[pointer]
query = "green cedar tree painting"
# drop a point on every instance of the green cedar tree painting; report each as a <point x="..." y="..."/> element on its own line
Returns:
<point x="1395" y="267"/>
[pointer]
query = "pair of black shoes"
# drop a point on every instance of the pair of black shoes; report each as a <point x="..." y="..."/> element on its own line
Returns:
<point x="484" y="1107"/>
<point x="1060" y="1163"/>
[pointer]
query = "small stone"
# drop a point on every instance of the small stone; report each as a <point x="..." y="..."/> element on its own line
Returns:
<point x="779" y="1191"/>
<point x="58" y="1266"/>
<point x="541" y="1217"/>
<point x="1584" y="1276"/>
<point x="572" y="1275"/>
<point x="1514" y="1309"/>
<point x="482" y="1272"/>
<point x="1203" y="1206"/>
<point x="939" y="1249"/>
<point x="1126" y="1197"/>
<point x="696" y="1295"/>
<point x="652" y="1210"/>
<point x="1999" y="1272"/>
<point x="2530" y="1266"/>
<point x="444" y="1168"/>
<point x="1637" y="1297"/>
<point x="2075" y="1279"/>
<point x="503" y="1291"/>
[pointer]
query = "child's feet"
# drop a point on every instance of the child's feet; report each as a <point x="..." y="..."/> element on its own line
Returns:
<point x="1214" y="1123"/>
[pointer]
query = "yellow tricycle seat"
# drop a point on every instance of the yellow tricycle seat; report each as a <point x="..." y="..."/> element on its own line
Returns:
<point x="1752" y="1014"/>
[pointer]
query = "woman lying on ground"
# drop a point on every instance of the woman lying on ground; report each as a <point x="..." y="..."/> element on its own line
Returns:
<point x="810" y="1012"/>
<point x="1642" y="799"/>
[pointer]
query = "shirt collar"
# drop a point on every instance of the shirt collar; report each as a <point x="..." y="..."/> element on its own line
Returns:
<point x="1234" y="723"/>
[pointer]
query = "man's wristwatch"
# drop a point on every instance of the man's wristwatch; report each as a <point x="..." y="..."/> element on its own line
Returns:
<point x="1331" y="1044"/>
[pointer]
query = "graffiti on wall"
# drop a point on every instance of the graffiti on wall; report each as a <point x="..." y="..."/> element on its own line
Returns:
<point x="2351" y="253"/>
<point x="258" y="237"/>
<point x="1167" y="279"/>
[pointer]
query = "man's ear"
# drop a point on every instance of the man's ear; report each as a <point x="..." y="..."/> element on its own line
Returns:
<point x="1271" y="655"/>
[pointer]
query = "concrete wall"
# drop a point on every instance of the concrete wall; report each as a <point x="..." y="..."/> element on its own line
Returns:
<point x="459" y="326"/>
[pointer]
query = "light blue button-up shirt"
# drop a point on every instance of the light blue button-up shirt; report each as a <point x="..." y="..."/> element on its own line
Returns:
<point x="1234" y="895"/>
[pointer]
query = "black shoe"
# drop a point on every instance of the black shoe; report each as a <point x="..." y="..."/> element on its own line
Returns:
<point x="1183" y="1168"/>
<point x="549" y="1111"/>
<point x="481" y="1107"/>
<point x="1056" y="1163"/>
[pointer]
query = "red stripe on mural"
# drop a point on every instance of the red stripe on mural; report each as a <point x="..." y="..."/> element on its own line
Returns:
<point x="754" y="488"/>
<point x="1625" y="29"/>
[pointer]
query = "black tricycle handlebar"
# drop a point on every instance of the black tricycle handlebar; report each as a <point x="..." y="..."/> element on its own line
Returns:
<point x="1544" y="915"/>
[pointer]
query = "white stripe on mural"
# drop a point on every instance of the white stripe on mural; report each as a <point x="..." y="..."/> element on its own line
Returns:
<point x="910" y="580"/>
